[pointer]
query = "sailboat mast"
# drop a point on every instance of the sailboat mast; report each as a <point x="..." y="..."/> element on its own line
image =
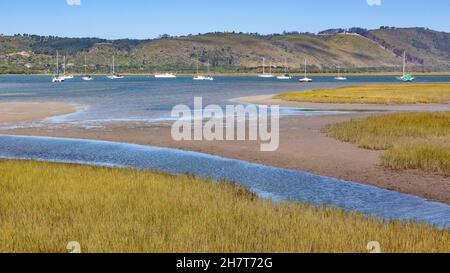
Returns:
<point x="285" y="66"/>
<point x="305" y="68"/>
<point x="85" y="65"/>
<point x="113" y="66"/>
<point x="57" y="63"/>
<point x="197" y="64"/>
<point x="404" y="63"/>
<point x="64" y="67"/>
<point x="264" y="65"/>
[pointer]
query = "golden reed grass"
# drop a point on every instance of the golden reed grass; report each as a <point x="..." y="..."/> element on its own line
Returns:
<point x="412" y="140"/>
<point x="376" y="94"/>
<point x="43" y="206"/>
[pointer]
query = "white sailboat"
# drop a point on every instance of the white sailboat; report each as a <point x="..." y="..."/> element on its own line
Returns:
<point x="165" y="76"/>
<point x="113" y="75"/>
<point x="199" y="77"/>
<point x="86" y="77"/>
<point x="405" y="77"/>
<point x="57" y="78"/>
<point x="286" y="75"/>
<point x="66" y="76"/>
<point x="264" y="75"/>
<point x="305" y="79"/>
<point x="339" y="77"/>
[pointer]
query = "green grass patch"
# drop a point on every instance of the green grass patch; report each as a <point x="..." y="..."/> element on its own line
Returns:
<point x="412" y="140"/>
<point x="376" y="94"/>
<point x="43" y="206"/>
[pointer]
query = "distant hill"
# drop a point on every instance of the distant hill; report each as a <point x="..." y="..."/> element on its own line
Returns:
<point x="355" y="49"/>
<point x="425" y="47"/>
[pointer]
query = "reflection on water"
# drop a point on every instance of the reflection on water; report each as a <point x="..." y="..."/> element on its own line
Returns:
<point x="278" y="184"/>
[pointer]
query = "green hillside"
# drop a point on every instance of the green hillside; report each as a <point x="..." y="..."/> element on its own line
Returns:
<point x="425" y="47"/>
<point x="361" y="50"/>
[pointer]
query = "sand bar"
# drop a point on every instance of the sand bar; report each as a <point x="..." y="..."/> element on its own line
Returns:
<point x="17" y="112"/>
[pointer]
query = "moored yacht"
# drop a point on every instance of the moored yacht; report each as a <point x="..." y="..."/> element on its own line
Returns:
<point x="113" y="75"/>
<point x="66" y="76"/>
<point x="57" y="78"/>
<point x="165" y="76"/>
<point x="199" y="77"/>
<point x="405" y="77"/>
<point x="339" y="76"/>
<point x="305" y="79"/>
<point x="203" y="78"/>
<point x="264" y="75"/>
<point x="286" y="75"/>
<point x="86" y="77"/>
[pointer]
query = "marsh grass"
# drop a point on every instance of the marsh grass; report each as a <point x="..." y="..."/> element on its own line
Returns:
<point x="43" y="206"/>
<point x="412" y="140"/>
<point x="376" y="94"/>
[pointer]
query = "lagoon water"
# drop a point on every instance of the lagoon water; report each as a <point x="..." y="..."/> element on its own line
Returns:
<point x="268" y="182"/>
<point x="145" y="99"/>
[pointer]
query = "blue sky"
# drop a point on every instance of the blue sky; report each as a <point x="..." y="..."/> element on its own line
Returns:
<point x="149" y="18"/>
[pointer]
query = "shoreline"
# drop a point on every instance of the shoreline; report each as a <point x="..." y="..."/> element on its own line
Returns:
<point x="12" y="113"/>
<point x="303" y="145"/>
<point x="231" y="74"/>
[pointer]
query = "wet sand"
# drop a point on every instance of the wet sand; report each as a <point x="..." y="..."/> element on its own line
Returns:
<point x="17" y="112"/>
<point x="303" y="146"/>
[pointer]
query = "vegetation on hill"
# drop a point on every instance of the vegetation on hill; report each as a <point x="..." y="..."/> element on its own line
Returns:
<point x="354" y="50"/>
<point x="44" y="206"/>
<point x="425" y="47"/>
